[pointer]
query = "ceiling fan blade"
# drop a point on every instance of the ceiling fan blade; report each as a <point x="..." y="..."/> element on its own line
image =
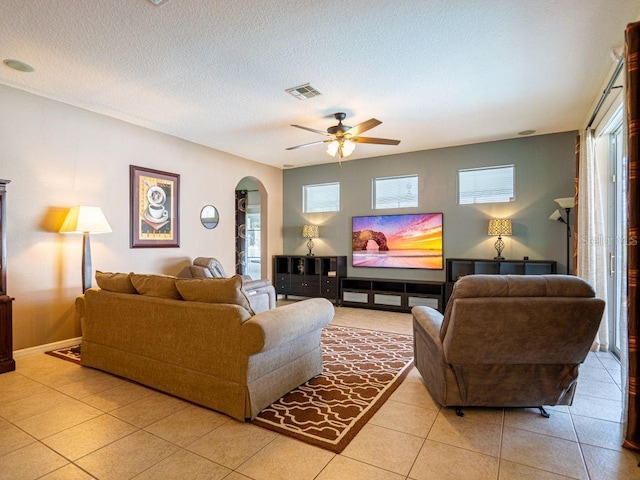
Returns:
<point x="321" y="132"/>
<point x="379" y="141"/>
<point x="308" y="144"/>
<point x="363" y="127"/>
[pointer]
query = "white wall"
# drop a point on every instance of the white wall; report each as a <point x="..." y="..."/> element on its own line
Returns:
<point x="57" y="156"/>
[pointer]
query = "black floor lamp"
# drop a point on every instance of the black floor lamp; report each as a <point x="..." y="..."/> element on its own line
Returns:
<point x="567" y="204"/>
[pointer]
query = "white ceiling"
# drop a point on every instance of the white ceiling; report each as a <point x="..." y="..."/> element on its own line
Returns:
<point x="436" y="72"/>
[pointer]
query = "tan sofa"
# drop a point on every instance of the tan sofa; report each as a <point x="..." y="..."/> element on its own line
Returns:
<point x="507" y="340"/>
<point x="261" y="292"/>
<point x="198" y="339"/>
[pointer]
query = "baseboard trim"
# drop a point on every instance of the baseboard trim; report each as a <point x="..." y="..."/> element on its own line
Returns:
<point x="29" y="352"/>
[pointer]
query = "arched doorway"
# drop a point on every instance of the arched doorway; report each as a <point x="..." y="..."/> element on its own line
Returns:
<point x="251" y="228"/>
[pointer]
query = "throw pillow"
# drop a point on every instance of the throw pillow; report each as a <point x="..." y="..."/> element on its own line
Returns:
<point x="115" y="282"/>
<point x="156" y="285"/>
<point x="214" y="290"/>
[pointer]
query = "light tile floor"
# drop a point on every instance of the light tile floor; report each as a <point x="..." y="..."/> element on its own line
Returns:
<point x="62" y="421"/>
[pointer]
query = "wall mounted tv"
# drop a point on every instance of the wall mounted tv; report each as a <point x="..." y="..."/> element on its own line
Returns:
<point x="398" y="241"/>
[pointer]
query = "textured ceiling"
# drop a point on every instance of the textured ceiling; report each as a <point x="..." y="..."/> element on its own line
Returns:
<point x="435" y="72"/>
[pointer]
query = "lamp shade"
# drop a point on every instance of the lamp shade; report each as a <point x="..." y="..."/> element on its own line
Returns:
<point x="332" y="148"/>
<point x="348" y="146"/>
<point x="310" y="231"/>
<point x="84" y="219"/>
<point x="556" y="216"/>
<point x="342" y="147"/>
<point x="499" y="226"/>
<point x="566" y="202"/>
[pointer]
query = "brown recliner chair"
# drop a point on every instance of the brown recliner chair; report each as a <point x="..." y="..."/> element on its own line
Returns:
<point x="261" y="293"/>
<point x="507" y="341"/>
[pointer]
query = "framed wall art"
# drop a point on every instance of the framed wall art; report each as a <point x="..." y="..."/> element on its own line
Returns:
<point x="155" y="201"/>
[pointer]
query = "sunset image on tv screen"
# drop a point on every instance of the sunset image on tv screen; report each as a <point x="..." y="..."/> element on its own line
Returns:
<point x="398" y="241"/>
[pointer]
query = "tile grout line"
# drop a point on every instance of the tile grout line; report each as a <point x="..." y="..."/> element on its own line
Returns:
<point x="575" y="431"/>
<point x="502" y="425"/>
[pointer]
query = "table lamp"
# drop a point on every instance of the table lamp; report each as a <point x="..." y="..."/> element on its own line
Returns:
<point x="499" y="227"/>
<point x="310" y="232"/>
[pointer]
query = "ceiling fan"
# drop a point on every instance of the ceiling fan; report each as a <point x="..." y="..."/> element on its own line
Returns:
<point x="342" y="139"/>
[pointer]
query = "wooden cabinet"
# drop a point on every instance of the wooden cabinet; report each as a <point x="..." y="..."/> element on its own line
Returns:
<point x="7" y="362"/>
<point x="309" y="276"/>
<point x="459" y="267"/>
<point x="395" y="295"/>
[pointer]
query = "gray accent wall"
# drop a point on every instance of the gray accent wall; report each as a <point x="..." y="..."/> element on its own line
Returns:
<point x="544" y="169"/>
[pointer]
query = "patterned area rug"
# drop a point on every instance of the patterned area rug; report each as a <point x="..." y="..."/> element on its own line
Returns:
<point x="70" y="353"/>
<point x="361" y="370"/>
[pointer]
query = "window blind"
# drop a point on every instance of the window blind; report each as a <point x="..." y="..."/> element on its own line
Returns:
<point x="395" y="192"/>
<point x="486" y="185"/>
<point x="323" y="197"/>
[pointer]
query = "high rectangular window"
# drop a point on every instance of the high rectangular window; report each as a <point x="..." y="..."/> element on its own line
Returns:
<point x="395" y="192"/>
<point x="486" y="185"/>
<point x="322" y="197"/>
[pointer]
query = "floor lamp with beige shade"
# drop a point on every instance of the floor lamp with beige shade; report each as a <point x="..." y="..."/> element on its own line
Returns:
<point x="85" y="220"/>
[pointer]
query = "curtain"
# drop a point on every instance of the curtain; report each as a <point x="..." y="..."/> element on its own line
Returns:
<point x="592" y="253"/>
<point x="576" y="209"/>
<point x="242" y="197"/>
<point x="632" y="102"/>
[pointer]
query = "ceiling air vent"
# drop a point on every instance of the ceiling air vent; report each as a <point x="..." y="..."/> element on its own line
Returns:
<point x="303" y="92"/>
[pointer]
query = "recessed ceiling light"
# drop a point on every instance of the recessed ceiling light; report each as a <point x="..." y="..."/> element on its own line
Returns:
<point x="157" y="3"/>
<point x="302" y="92"/>
<point x="527" y="132"/>
<point x="18" y="65"/>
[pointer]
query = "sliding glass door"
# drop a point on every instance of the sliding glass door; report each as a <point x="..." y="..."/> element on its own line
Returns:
<point x="617" y="240"/>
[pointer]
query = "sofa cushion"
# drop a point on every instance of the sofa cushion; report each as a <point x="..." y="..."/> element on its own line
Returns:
<point x="156" y="285"/>
<point x="115" y="282"/>
<point x="214" y="290"/>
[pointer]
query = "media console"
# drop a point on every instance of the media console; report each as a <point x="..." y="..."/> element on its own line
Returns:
<point x="395" y="295"/>
<point x="309" y="276"/>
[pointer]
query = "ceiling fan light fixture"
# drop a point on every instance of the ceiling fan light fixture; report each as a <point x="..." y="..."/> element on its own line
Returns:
<point x="342" y="138"/>
<point x="342" y="147"/>
<point x="347" y="147"/>
<point x="332" y="148"/>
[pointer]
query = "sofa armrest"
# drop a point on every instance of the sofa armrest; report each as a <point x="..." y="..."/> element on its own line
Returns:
<point x="79" y="305"/>
<point x="278" y="326"/>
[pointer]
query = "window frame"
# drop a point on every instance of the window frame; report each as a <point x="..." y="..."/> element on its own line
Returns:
<point x="475" y="201"/>
<point x="305" y="195"/>
<point x="374" y="191"/>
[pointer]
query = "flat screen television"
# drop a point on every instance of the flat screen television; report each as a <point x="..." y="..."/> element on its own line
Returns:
<point x="398" y="241"/>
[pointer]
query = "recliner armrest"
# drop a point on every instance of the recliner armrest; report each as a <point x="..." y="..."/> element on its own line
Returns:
<point x="249" y="284"/>
<point x="193" y="271"/>
<point x="430" y="319"/>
